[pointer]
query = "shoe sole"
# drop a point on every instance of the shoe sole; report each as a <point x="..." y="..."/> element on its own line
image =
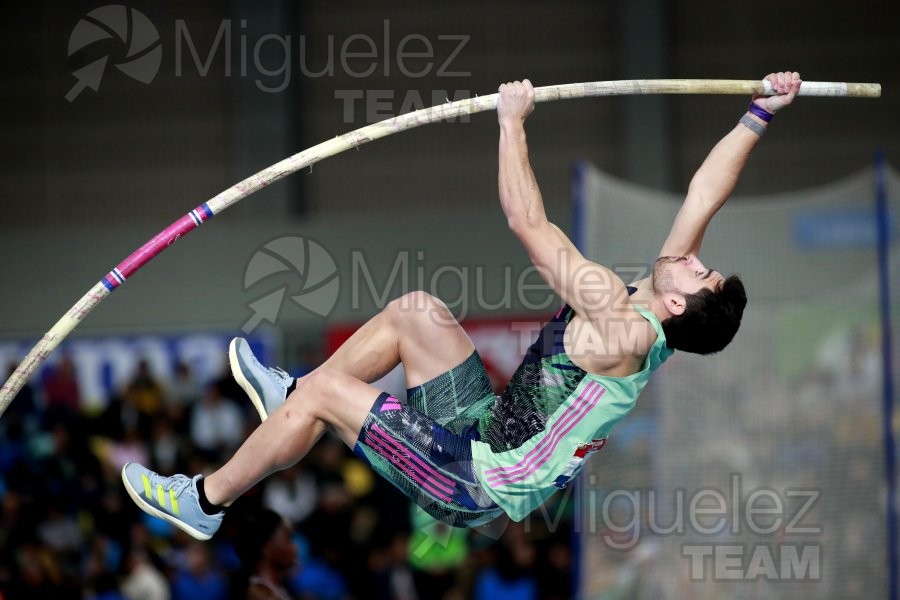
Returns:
<point x="238" y="375"/>
<point x="150" y="509"/>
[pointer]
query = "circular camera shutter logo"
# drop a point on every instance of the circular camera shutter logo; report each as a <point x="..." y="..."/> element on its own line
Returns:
<point x="302" y="258"/>
<point x="141" y="50"/>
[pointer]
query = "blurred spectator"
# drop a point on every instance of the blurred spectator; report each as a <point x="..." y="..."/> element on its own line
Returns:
<point x="61" y="394"/>
<point x="393" y="577"/>
<point x="292" y="493"/>
<point x="17" y="522"/>
<point x="118" y="416"/>
<point x="167" y="448"/>
<point x="110" y="515"/>
<point x="436" y="551"/>
<point x="143" y="581"/>
<point x="23" y="412"/>
<point x="329" y="526"/>
<point x="197" y="578"/>
<point x="217" y="425"/>
<point x="145" y="394"/>
<point x="512" y="576"/>
<point x="319" y="579"/>
<point x="59" y="531"/>
<point x="14" y="437"/>
<point x="555" y="574"/>
<point x="69" y="474"/>
<point x="131" y="448"/>
<point x="184" y="393"/>
<point x="100" y="567"/>
<point x="264" y="543"/>
<point x="38" y="574"/>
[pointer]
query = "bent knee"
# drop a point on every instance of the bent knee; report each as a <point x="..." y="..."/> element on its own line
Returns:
<point x="416" y="301"/>
<point x="418" y="305"/>
<point x="321" y="384"/>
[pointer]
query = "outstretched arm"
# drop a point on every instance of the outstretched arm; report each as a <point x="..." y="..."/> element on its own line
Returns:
<point x="716" y="178"/>
<point x="591" y="289"/>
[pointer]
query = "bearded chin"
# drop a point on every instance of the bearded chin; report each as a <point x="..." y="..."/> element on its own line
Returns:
<point x="661" y="280"/>
<point x="660" y="284"/>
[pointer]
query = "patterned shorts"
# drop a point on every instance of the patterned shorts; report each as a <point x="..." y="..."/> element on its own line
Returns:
<point x="423" y="446"/>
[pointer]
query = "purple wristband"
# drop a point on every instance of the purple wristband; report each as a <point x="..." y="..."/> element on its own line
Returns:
<point x="760" y="112"/>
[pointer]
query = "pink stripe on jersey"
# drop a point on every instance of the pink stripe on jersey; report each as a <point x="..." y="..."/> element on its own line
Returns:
<point x="539" y="455"/>
<point x="406" y="451"/>
<point x="583" y="399"/>
<point x="531" y="464"/>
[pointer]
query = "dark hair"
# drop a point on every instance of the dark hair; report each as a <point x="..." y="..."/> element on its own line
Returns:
<point x="249" y="527"/>
<point x="255" y="528"/>
<point x="710" y="319"/>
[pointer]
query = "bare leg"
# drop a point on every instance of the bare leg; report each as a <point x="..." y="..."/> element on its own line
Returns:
<point x="323" y="398"/>
<point x="416" y="329"/>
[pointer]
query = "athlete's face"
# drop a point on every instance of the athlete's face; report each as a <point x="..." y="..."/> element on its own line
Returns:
<point x="683" y="275"/>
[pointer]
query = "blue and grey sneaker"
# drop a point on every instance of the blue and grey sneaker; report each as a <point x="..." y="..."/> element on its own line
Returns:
<point x="174" y="499"/>
<point x="266" y="387"/>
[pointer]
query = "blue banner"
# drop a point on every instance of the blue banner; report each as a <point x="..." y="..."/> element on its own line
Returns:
<point x="840" y="228"/>
<point x="105" y="365"/>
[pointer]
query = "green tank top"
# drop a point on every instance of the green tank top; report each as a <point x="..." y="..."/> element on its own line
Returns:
<point x="552" y="416"/>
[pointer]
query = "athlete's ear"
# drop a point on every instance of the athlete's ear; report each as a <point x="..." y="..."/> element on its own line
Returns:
<point x="674" y="303"/>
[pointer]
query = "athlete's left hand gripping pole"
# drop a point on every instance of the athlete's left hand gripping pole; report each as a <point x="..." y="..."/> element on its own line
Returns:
<point x="451" y="110"/>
